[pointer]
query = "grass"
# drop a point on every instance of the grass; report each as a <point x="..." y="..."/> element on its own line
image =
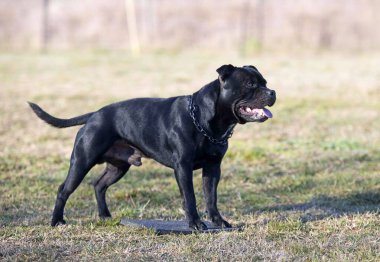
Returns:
<point x="305" y="185"/>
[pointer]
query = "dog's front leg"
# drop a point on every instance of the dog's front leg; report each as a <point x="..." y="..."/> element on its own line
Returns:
<point x="211" y="177"/>
<point x="184" y="176"/>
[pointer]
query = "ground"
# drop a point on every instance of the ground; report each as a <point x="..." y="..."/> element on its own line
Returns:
<point x="305" y="185"/>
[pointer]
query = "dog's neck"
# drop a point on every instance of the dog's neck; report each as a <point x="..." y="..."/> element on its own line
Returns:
<point x="214" y="115"/>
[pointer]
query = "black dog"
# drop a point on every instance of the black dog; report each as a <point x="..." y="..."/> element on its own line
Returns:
<point x="184" y="133"/>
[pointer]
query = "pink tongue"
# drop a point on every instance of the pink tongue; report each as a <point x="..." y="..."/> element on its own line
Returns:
<point x="267" y="113"/>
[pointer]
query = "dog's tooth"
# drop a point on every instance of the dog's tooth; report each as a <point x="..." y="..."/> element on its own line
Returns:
<point x="248" y="109"/>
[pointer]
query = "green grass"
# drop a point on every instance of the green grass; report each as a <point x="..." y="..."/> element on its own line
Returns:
<point x="304" y="185"/>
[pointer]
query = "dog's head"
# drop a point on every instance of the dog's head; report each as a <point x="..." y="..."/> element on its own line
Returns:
<point x="244" y="90"/>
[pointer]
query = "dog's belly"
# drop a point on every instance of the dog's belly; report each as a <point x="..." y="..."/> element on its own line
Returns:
<point x="121" y="153"/>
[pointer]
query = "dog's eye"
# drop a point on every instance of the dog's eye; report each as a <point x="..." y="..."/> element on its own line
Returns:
<point x="251" y="85"/>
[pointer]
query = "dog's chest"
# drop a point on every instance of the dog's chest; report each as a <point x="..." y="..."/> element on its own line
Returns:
<point x="211" y="152"/>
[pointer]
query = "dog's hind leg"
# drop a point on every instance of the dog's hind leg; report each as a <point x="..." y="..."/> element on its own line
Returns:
<point x="109" y="176"/>
<point x="76" y="174"/>
<point x="89" y="146"/>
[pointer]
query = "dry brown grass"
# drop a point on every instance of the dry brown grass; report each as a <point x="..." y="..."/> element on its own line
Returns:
<point x="305" y="184"/>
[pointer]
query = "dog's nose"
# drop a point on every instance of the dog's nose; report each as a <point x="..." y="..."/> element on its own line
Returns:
<point x="271" y="93"/>
<point x="271" y="97"/>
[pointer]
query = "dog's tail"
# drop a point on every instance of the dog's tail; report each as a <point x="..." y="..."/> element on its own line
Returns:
<point x="58" y="122"/>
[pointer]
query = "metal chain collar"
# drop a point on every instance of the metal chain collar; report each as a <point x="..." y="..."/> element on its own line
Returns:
<point x="213" y="140"/>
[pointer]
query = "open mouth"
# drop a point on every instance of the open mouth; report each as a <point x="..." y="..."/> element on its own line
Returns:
<point x="255" y="114"/>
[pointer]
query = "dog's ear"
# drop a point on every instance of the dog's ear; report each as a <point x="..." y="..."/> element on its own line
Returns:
<point x="224" y="71"/>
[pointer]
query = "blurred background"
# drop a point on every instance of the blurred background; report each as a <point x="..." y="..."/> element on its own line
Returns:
<point x="321" y="57"/>
<point x="243" y="26"/>
<point x="317" y="158"/>
<point x="76" y="56"/>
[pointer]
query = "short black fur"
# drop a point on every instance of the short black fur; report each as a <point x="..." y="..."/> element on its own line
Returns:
<point x="120" y="134"/>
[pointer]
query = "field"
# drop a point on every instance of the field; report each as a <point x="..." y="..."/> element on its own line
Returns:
<point x="305" y="185"/>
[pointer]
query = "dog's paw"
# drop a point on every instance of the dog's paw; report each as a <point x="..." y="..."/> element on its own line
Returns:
<point x="220" y="222"/>
<point x="105" y="217"/>
<point x="197" y="225"/>
<point x="57" y="222"/>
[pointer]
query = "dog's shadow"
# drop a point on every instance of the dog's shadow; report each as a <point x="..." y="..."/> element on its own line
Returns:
<point x="324" y="207"/>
